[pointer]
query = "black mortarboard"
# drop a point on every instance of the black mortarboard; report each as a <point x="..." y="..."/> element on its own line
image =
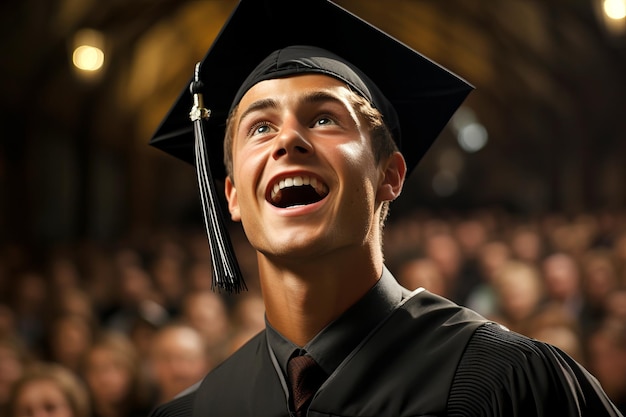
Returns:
<point x="423" y="94"/>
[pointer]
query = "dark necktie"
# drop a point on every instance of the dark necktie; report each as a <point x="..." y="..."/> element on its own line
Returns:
<point x="305" y="377"/>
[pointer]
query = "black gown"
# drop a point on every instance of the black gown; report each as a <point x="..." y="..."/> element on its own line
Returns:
<point x="429" y="357"/>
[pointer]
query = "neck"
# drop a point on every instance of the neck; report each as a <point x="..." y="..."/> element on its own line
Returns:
<point x="302" y="297"/>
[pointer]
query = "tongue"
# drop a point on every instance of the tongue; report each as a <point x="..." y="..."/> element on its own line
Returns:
<point x="296" y="196"/>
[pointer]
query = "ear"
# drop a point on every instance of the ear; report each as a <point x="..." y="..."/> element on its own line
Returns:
<point x="394" y="172"/>
<point x="231" y="197"/>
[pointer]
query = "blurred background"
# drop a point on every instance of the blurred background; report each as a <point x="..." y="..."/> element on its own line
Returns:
<point x="544" y="130"/>
<point x="532" y="166"/>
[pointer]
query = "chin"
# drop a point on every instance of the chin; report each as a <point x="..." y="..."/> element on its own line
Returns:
<point x="300" y="247"/>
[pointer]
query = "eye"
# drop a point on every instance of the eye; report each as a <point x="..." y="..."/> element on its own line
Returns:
<point x="260" y="128"/>
<point x="324" y="121"/>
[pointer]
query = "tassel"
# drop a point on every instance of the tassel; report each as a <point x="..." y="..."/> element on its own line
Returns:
<point x="226" y="273"/>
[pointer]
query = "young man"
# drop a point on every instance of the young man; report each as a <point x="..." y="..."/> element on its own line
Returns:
<point x="313" y="157"/>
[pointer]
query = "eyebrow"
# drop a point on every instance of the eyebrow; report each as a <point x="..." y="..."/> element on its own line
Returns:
<point x="313" y="97"/>
<point x="259" y="105"/>
<point x="320" y="96"/>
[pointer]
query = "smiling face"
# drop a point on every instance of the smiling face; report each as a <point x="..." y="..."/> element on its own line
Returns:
<point x="305" y="179"/>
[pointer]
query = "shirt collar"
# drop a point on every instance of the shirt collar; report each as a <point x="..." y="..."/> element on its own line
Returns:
<point x="333" y="344"/>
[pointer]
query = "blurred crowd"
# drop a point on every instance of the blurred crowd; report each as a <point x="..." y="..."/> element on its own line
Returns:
<point x="112" y="329"/>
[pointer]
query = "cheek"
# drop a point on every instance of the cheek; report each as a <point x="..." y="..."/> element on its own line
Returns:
<point x="359" y="163"/>
<point x="355" y="153"/>
<point x="248" y="164"/>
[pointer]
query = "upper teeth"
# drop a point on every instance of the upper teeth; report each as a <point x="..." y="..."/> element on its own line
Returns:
<point x="298" y="181"/>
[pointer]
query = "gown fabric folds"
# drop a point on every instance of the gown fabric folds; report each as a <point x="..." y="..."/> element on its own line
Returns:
<point x="429" y="357"/>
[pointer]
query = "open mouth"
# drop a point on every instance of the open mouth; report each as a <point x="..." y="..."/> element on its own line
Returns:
<point x="298" y="190"/>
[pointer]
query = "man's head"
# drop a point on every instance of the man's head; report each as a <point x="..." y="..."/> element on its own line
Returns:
<point x="421" y="96"/>
<point x="303" y="164"/>
<point x="363" y="96"/>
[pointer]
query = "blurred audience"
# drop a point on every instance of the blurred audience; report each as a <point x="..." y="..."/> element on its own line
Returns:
<point x="7" y="321"/>
<point x="14" y="358"/>
<point x="116" y="381"/>
<point x="519" y="294"/>
<point x="615" y="304"/>
<point x="178" y="359"/>
<point x="554" y="325"/>
<point x="138" y="298"/>
<point x="598" y="280"/>
<point x="49" y="390"/>
<point x="207" y="313"/>
<point x="526" y="244"/>
<point x="607" y="360"/>
<point x="445" y="251"/>
<point x="137" y="321"/>
<point x="561" y="276"/>
<point x="170" y="285"/>
<point x="248" y="319"/>
<point x="69" y="338"/>
<point x="421" y="272"/>
<point x="29" y="300"/>
<point x="490" y="259"/>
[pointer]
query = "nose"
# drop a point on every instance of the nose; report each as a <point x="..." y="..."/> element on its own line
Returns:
<point x="292" y="141"/>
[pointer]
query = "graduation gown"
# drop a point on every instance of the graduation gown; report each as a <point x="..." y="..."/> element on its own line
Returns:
<point x="429" y="357"/>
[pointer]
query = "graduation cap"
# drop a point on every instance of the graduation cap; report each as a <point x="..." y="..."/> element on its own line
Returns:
<point x="416" y="96"/>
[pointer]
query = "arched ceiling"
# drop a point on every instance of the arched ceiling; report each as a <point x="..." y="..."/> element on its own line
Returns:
<point x="550" y="89"/>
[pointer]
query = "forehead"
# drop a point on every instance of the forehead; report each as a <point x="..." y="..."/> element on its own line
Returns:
<point x="40" y="390"/>
<point x="295" y="88"/>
